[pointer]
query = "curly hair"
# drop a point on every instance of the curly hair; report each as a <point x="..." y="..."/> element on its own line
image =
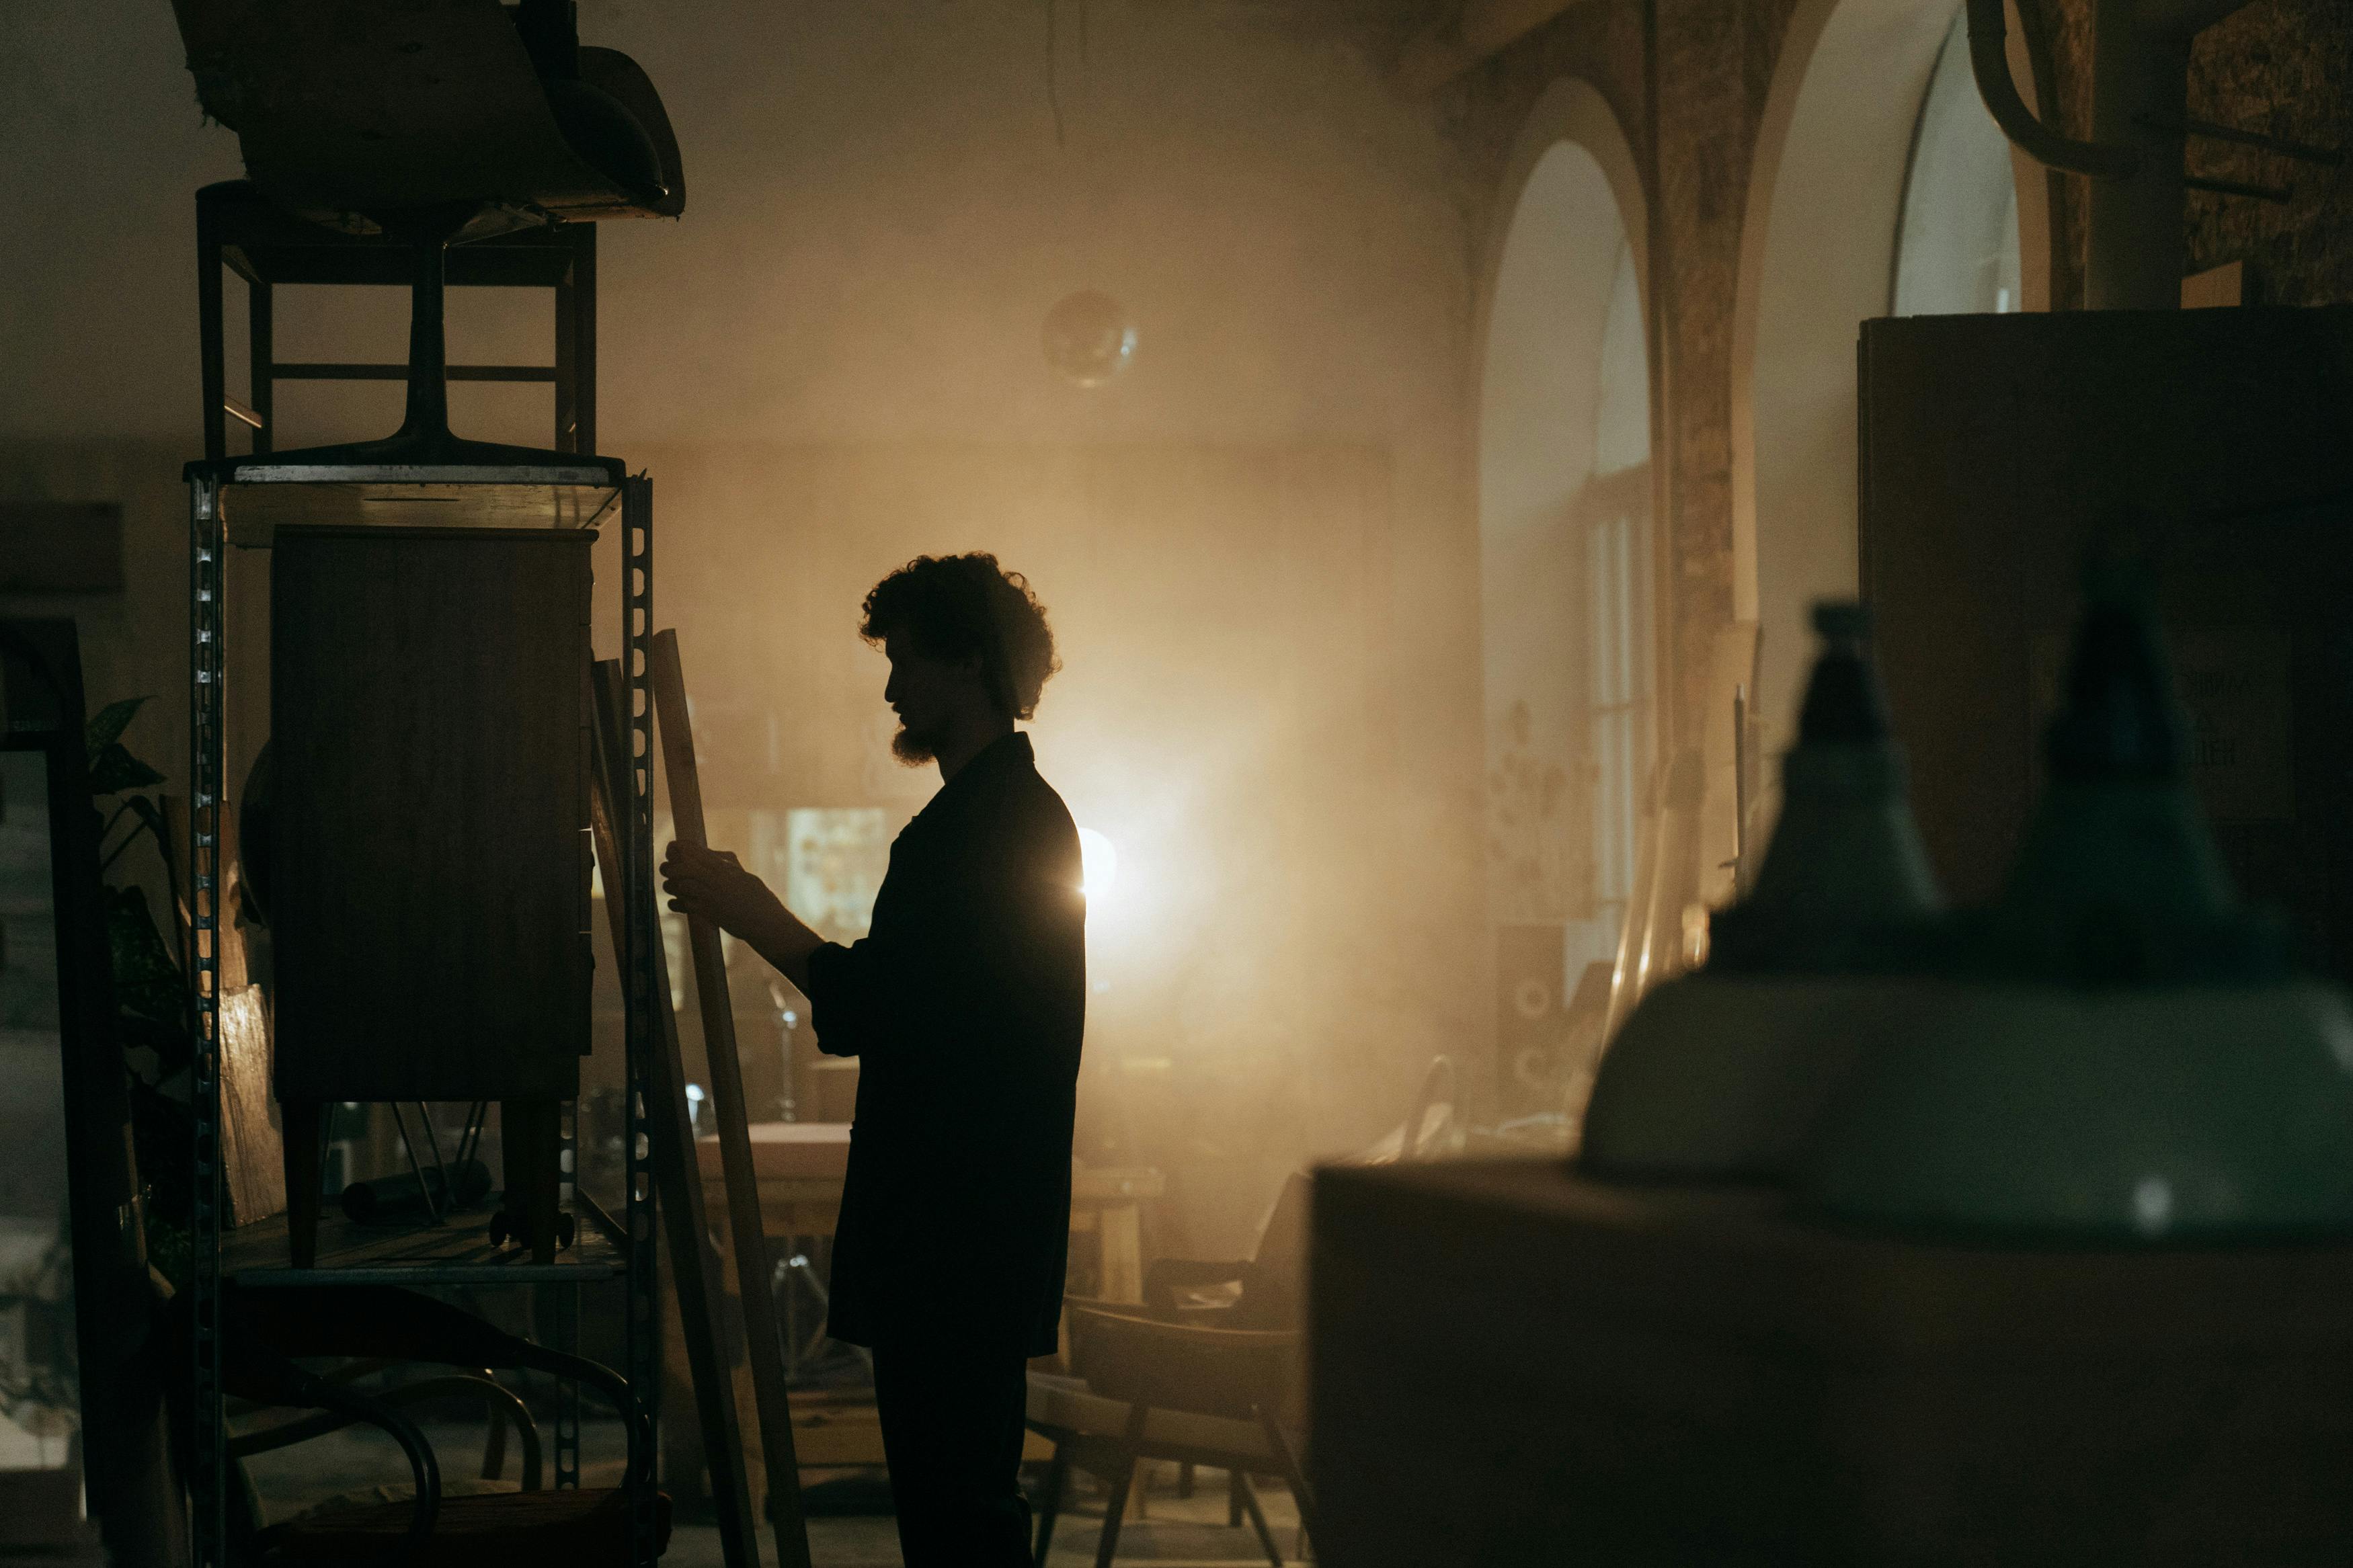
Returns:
<point x="965" y="606"/>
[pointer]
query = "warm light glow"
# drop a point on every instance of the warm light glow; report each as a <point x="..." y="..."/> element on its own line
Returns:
<point x="1098" y="864"/>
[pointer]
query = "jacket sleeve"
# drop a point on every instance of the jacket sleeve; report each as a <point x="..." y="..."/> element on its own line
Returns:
<point x="847" y="995"/>
<point x="995" y="929"/>
<point x="860" y="994"/>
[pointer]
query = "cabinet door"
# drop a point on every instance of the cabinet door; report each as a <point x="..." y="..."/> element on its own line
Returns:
<point x="427" y="710"/>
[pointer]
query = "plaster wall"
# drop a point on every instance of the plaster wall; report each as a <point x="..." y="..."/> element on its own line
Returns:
<point x="1256" y="542"/>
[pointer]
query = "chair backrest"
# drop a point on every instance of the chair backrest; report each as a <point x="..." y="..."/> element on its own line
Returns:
<point x="1274" y="1294"/>
<point x="1232" y="1372"/>
<point x="1433" y="1116"/>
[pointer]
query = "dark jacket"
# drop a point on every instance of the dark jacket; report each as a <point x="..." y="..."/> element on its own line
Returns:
<point x="964" y="1005"/>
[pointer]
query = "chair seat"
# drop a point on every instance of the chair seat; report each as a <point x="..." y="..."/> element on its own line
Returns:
<point x="401" y="1492"/>
<point x="1066" y="1405"/>
<point x="493" y="1530"/>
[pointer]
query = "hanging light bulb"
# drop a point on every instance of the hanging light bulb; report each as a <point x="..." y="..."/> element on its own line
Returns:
<point x="1089" y="338"/>
<point x="2136" y="1061"/>
<point x="1721" y="1073"/>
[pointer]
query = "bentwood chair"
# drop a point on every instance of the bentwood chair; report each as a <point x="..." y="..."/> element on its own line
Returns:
<point x="270" y="1333"/>
<point x="1148" y="1389"/>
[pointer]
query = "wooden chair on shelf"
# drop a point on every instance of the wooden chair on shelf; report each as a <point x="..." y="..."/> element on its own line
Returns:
<point x="268" y="1332"/>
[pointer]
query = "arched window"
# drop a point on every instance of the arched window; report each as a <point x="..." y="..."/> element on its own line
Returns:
<point x="1958" y="252"/>
<point x="1880" y="187"/>
<point x="1564" y="487"/>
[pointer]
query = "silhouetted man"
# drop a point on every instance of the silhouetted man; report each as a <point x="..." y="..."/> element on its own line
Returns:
<point x="965" y="1006"/>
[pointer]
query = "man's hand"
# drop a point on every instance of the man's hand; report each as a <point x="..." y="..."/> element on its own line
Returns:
<point x="709" y="884"/>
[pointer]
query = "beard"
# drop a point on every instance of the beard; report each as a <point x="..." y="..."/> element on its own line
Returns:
<point x="912" y="748"/>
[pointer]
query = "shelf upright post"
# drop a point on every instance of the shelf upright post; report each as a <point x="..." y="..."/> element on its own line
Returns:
<point x="208" y="622"/>
<point x="583" y="348"/>
<point x="641" y="984"/>
<point x="261" y="382"/>
<point x="209" y="347"/>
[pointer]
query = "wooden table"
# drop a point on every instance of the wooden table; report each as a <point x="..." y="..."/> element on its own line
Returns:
<point x="800" y="1166"/>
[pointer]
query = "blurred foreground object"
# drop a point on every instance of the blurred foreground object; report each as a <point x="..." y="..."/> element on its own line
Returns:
<point x="1088" y="337"/>
<point x="1577" y="1371"/>
<point x="2142" y="1063"/>
<point x="1722" y="1073"/>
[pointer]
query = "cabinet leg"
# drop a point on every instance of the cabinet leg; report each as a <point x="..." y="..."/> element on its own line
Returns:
<point x="531" y="1131"/>
<point x="303" y="1126"/>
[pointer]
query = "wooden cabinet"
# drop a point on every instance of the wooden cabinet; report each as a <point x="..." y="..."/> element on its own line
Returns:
<point x="1996" y="449"/>
<point x="1515" y="1365"/>
<point x="429" y="895"/>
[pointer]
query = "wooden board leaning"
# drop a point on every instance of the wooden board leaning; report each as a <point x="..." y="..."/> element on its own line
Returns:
<point x="765" y="1349"/>
<point x="679" y="1190"/>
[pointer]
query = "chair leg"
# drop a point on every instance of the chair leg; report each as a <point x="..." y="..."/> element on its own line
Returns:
<point x="1057" y="1476"/>
<point x="1248" y="1495"/>
<point x="1124" y="1481"/>
<point x="1236" y="1484"/>
<point x="1113" y="1513"/>
<point x="1295" y="1474"/>
<point x="494" y="1442"/>
<point x="1185" y="1479"/>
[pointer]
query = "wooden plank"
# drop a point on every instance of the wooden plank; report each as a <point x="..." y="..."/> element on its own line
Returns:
<point x="766" y="1351"/>
<point x="678" y="1193"/>
<point x="251" y="1157"/>
<point x="459" y="1251"/>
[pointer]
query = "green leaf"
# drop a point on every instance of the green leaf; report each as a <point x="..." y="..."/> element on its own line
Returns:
<point x="114" y="770"/>
<point x="140" y="956"/>
<point x="106" y="725"/>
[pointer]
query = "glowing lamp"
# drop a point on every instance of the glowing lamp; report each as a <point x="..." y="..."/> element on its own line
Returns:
<point x="1098" y="864"/>
<point x="1097" y="861"/>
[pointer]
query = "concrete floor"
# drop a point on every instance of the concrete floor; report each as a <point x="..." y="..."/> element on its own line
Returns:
<point x="1176" y="1532"/>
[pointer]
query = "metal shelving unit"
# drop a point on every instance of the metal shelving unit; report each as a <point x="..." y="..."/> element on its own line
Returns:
<point x="238" y="501"/>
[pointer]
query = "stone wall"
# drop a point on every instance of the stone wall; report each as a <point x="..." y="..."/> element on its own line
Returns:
<point x="2284" y="67"/>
